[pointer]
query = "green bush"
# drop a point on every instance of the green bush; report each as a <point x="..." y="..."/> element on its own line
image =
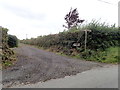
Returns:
<point x="12" y="41"/>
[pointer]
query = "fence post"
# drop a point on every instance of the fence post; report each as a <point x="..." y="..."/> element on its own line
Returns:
<point x="86" y="37"/>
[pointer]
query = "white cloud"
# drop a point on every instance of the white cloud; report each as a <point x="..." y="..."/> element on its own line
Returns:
<point x="40" y="17"/>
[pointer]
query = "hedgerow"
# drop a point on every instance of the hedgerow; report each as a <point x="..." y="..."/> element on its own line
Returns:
<point x="100" y="38"/>
<point x="7" y="54"/>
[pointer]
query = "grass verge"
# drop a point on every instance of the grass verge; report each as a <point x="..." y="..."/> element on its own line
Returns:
<point x="110" y="55"/>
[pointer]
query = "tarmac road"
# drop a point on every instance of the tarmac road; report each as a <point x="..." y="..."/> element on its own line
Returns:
<point x="105" y="77"/>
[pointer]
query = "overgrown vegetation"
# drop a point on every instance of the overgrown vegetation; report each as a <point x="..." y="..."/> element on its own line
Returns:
<point x="7" y="54"/>
<point x="101" y="38"/>
<point x="110" y="55"/>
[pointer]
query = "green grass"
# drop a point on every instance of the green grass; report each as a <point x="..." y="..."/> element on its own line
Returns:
<point x="7" y="63"/>
<point x="110" y="55"/>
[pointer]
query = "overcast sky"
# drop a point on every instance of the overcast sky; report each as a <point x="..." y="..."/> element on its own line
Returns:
<point x="42" y="17"/>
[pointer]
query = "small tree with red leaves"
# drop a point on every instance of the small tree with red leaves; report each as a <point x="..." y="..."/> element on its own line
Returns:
<point x="72" y="19"/>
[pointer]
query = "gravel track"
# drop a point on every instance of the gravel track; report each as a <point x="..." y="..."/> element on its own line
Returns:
<point x="35" y="65"/>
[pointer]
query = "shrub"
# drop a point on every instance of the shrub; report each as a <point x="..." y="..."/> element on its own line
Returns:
<point x="12" y="41"/>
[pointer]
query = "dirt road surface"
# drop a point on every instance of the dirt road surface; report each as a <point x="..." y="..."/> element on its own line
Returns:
<point x="35" y="65"/>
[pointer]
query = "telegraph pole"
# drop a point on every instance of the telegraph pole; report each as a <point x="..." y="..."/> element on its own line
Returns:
<point x="119" y="14"/>
<point x="26" y="36"/>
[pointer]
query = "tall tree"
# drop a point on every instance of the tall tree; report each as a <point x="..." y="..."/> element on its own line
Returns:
<point x="72" y="19"/>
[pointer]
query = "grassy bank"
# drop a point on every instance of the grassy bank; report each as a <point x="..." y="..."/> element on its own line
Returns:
<point x="110" y="55"/>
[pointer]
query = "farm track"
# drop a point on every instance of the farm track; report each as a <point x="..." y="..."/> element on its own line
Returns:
<point x="35" y="65"/>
